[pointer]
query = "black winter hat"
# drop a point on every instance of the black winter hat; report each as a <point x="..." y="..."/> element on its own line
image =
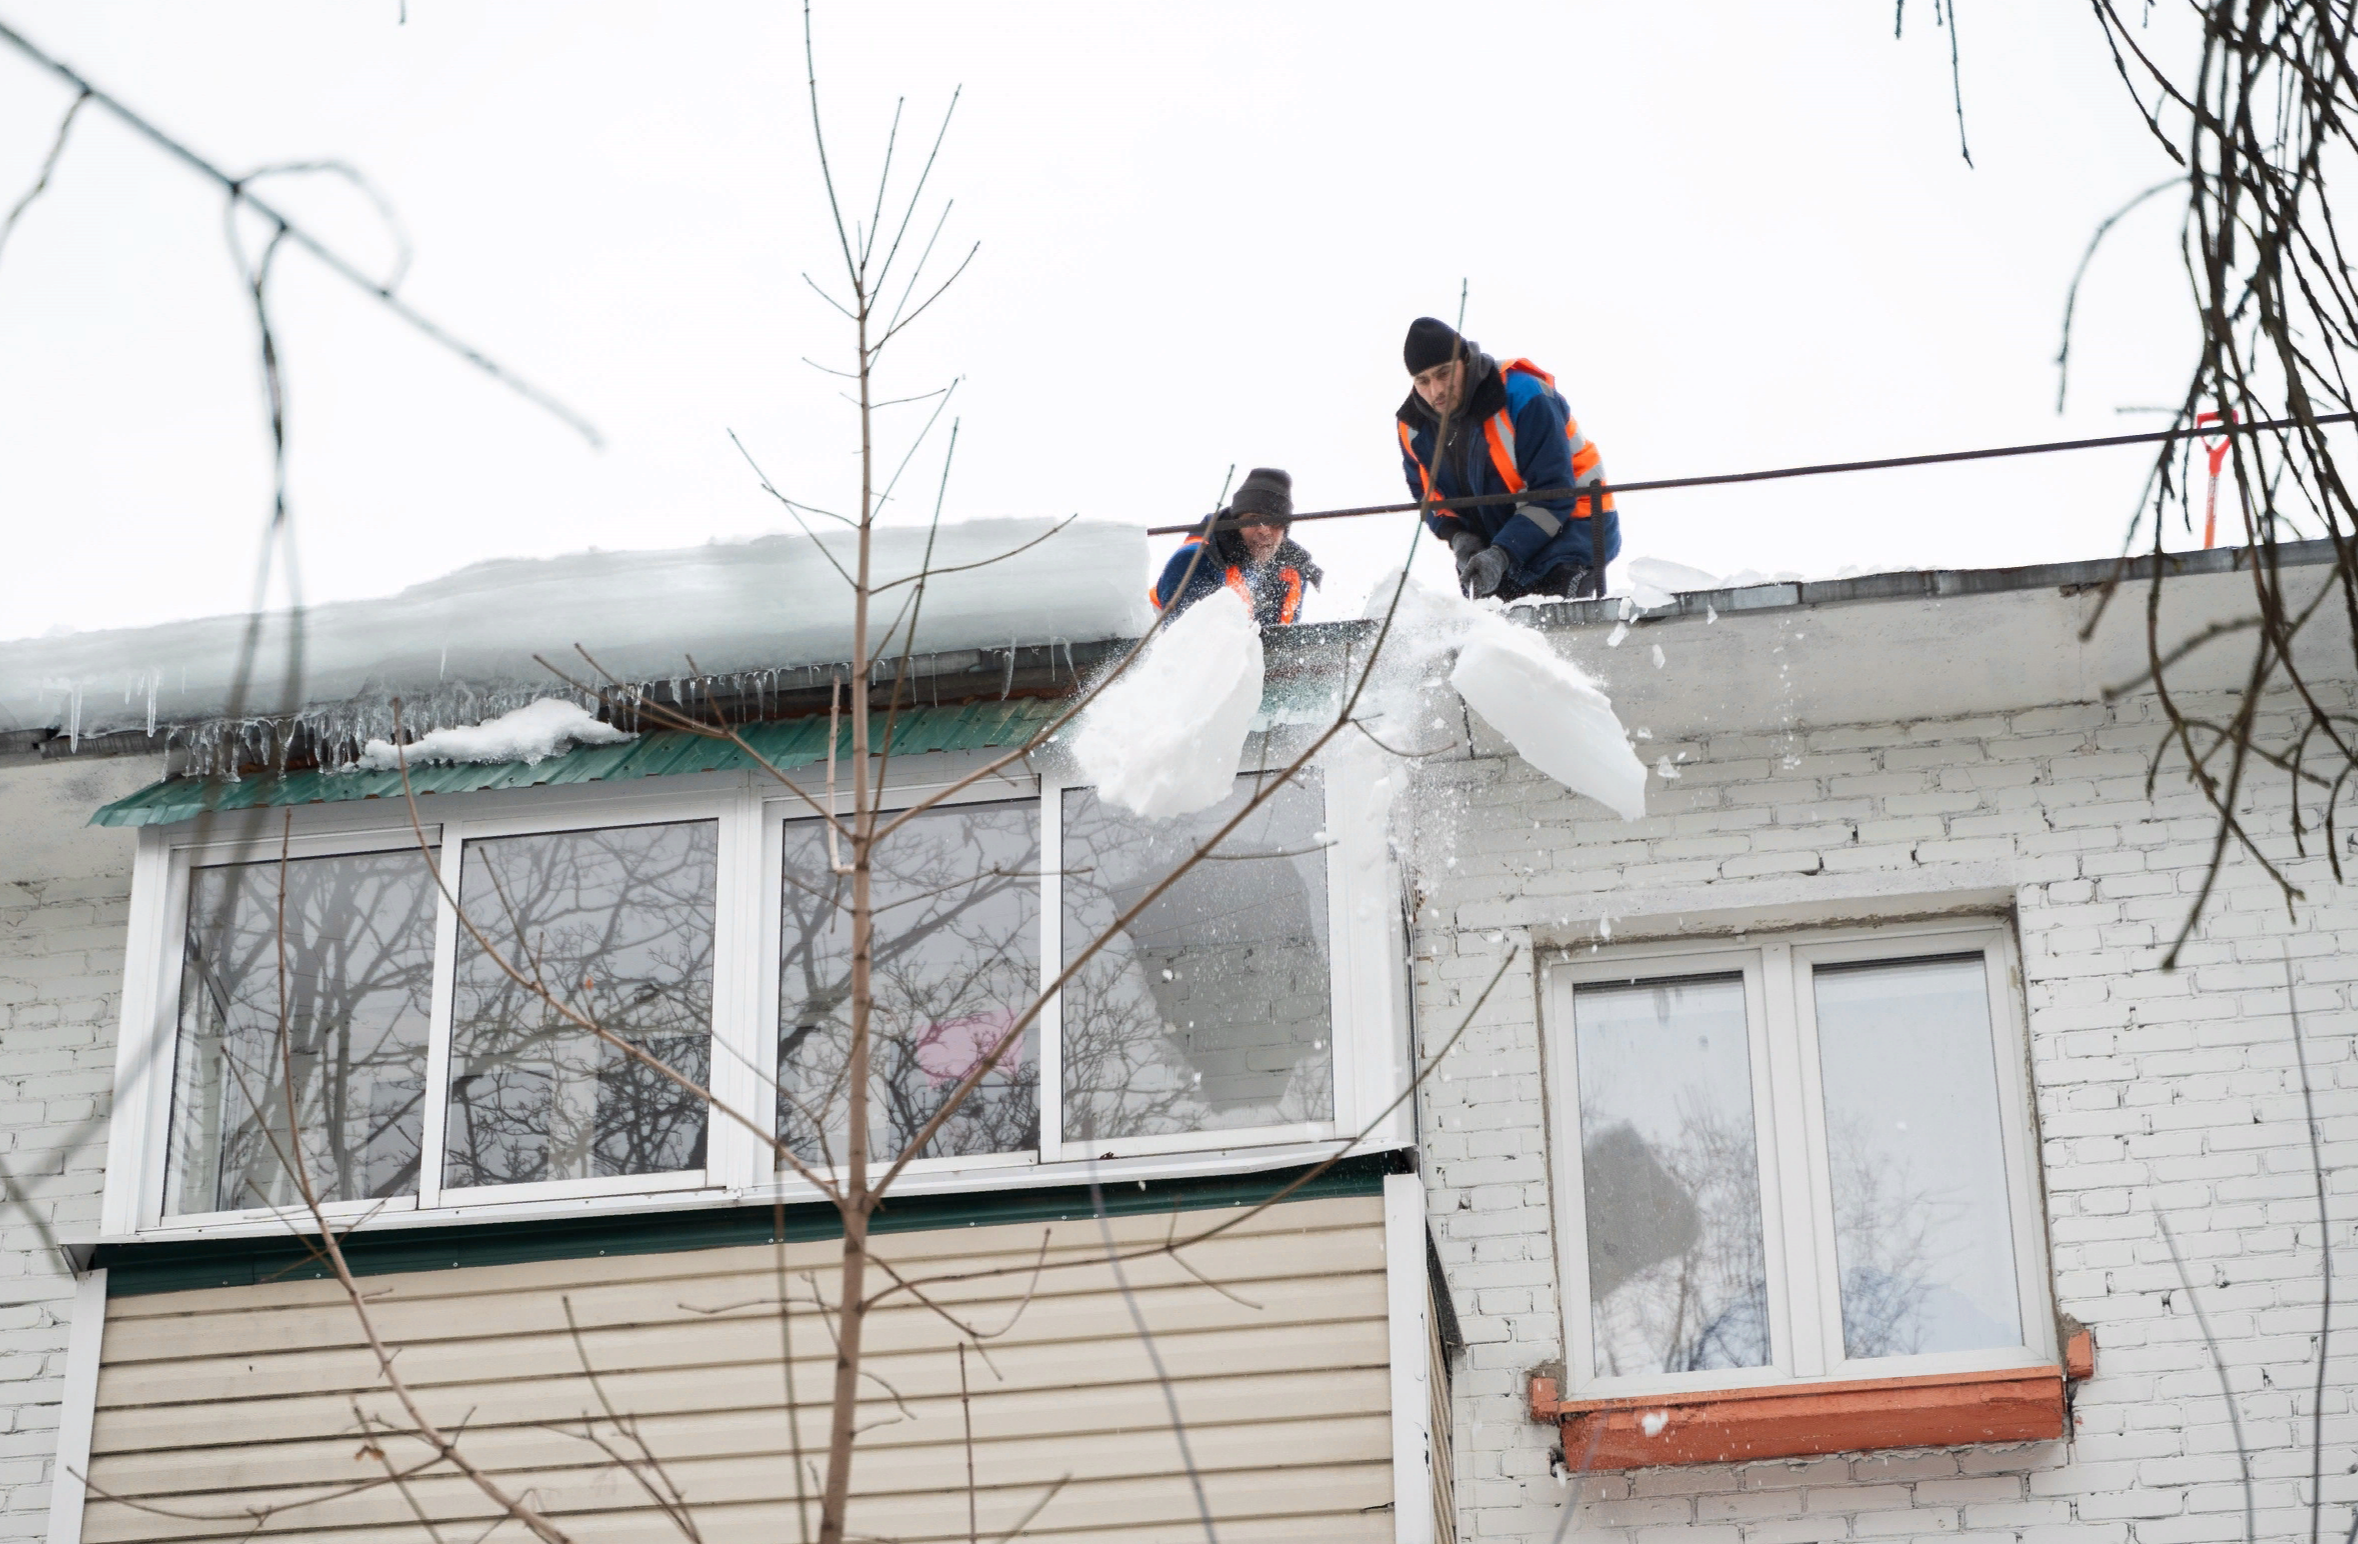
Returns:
<point x="1432" y="342"/>
<point x="1265" y="491"/>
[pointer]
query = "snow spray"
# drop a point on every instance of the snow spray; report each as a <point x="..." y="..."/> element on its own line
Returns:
<point x="1545" y="707"/>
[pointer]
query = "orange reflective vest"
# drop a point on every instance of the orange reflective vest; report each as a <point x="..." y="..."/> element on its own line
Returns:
<point x="1498" y="432"/>
<point x="1288" y="577"/>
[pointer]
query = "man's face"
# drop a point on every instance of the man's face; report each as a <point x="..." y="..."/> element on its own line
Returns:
<point x="1442" y="385"/>
<point x="1260" y="537"/>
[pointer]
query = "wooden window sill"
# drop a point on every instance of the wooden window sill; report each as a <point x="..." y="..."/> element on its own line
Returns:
<point x="2021" y="1404"/>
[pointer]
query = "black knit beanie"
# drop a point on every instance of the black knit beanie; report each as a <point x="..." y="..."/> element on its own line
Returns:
<point x="1431" y="342"/>
<point x="1265" y="491"/>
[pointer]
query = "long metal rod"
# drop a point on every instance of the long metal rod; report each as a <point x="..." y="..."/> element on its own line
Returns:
<point x="300" y="237"/>
<point x="1884" y="463"/>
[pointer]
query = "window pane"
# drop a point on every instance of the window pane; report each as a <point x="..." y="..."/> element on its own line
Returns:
<point x="1670" y="1173"/>
<point x="358" y="983"/>
<point x="618" y="925"/>
<point x="1921" y="1226"/>
<point x="1211" y="1010"/>
<point x="957" y="942"/>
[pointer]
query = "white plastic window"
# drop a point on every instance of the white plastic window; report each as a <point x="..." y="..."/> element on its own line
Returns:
<point x="1801" y="1159"/>
<point x="956" y="960"/>
<point x="340" y="949"/>
<point x="1252" y="1004"/>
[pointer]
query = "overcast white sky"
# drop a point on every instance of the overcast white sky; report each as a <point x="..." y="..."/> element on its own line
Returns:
<point x="1740" y="236"/>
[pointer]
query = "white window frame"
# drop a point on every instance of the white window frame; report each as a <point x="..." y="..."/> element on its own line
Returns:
<point x="1344" y="1068"/>
<point x="1365" y="947"/>
<point x="729" y="941"/>
<point x="1797" y="1225"/>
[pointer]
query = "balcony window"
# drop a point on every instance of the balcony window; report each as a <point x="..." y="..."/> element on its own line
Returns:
<point x="956" y="897"/>
<point x="1211" y="1008"/>
<point x="611" y="928"/>
<point x="339" y="952"/>
<point x="504" y="1027"/>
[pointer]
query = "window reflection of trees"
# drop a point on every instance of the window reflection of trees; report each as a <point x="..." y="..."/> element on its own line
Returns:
<point x="1922" y="1223"/>
<point x="956" y="898"/>
<point x="1699" y="1297"/>
<point x="359" y="977"/>
<point x="1884" y="1222"/>
<point x="618" y="924"/>
<point x="1670" y="1168"/>
<point x="1212" y="1010"/>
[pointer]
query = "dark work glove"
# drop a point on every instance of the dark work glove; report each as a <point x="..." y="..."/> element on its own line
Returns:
<point x="1482" y="574"/>
<point x="1464" y="545"/>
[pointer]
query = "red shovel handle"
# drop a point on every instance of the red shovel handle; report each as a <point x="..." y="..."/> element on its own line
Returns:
<point x="2218" y="452"/>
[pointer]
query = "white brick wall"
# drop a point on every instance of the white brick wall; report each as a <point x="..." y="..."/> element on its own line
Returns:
<point x="2171" y="1090"/>
<point x="64" y="893"/>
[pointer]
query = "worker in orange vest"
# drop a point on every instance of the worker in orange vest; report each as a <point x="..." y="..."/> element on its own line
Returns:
<point x="1509" y="431"/>
<point x="1247" y="550"/>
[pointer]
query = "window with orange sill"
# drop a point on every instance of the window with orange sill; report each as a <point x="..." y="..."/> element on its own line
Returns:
<point x="1799" y="1198"/>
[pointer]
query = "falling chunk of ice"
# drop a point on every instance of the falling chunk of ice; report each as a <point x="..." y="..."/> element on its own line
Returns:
<point x="1654" y="1421"/>
<point x="1665" y="768"/>
<point x="533" y="732"/>
<point x="1620" y="631"/>
<point x="1550" y="712"/>
<point x="1658" y="659"/>
<point x="1166" y="737"/>
<point x="1552" y="715"/>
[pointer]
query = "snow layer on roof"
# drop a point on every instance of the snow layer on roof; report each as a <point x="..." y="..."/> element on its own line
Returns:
<point x="460" y="649"/>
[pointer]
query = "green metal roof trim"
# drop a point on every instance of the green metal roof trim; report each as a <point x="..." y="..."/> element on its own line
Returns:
<point x="181" y="1265"/>
<point x="659" y="753"/>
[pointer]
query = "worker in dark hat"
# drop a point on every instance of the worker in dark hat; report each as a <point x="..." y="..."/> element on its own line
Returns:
<point x="1508" y="432"/>
<point x="1245" y="548"/>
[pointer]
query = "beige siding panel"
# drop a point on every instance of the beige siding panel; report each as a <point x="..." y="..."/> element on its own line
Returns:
<point x="582" y="1479"/>
<point x="1328" y="1347"/>
<point x="416" y="1309"/>
<point x="231" y="1402"/>
<point x="1264" y="1507"/>
<point x="774" y="1523"/>
<point x="1062" y="1415"/>
<point x="529" y="1339"/>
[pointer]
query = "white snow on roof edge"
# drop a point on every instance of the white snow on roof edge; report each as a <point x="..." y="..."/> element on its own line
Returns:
<point x="460" y="649"/>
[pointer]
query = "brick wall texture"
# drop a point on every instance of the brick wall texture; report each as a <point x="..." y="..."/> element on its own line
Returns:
<point x="2173" y="1090"/>
<point x="64" y="899"/>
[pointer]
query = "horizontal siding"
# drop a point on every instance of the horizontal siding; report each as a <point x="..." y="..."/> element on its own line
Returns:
<point x="226" y="1402"/>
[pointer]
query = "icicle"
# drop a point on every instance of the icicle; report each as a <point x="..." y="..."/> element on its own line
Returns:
<point x="74" y="722"/>
<point x="155" y="678"/>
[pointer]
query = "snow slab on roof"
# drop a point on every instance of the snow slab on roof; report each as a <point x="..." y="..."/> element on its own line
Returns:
<point x="460" y="649"/>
